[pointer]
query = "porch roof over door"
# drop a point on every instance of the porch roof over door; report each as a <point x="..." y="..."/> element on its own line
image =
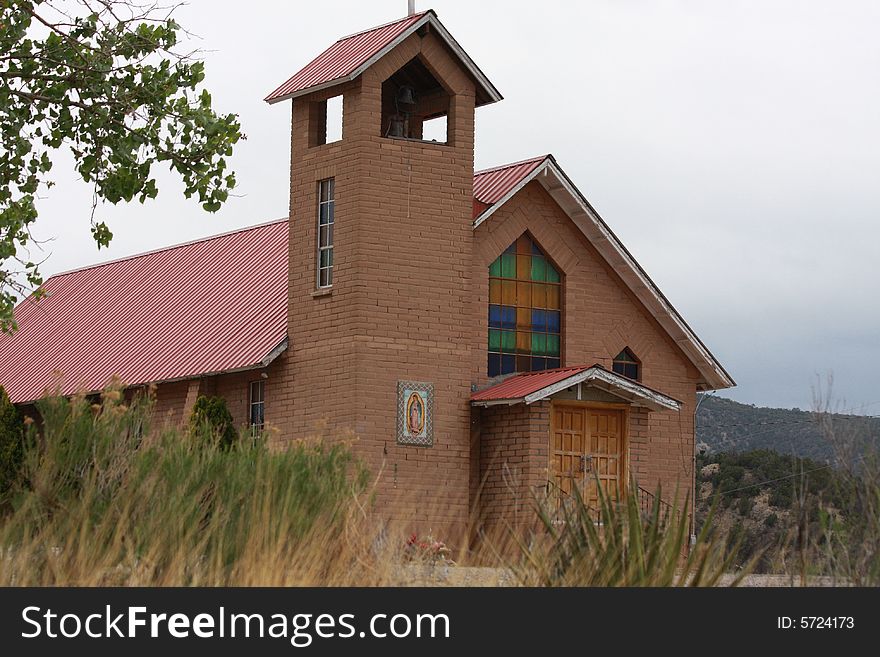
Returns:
<point x="534" y="386"/>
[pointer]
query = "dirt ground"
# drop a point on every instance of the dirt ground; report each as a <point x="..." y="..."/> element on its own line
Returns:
<point x="443" y="575"/>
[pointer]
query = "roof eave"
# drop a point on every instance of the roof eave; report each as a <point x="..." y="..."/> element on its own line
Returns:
<point x="631" y="392"/>
<point x="612" y="249"/>
<point x="490" y="89"/>
<point x="617" y="385"/>
<point x="262" y="364"/>
<point x="484" y="403"/>
<point x="309" y="90"/>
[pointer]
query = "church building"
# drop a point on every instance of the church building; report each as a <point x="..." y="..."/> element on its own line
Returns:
<point x="484" y="336"/>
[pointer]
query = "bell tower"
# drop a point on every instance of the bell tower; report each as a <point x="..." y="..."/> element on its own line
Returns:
<point x="380" y="301"/>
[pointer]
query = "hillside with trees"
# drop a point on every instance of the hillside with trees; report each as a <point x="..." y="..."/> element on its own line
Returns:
<point x="796" y="490"/>
<point x="766" y="502"/>
<point x="728" y="426"/>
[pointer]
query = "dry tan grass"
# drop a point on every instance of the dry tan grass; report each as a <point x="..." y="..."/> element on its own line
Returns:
<point x="101" y="506"/>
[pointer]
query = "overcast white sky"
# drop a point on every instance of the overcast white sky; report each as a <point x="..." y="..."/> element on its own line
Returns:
<point x="733" y="145"/>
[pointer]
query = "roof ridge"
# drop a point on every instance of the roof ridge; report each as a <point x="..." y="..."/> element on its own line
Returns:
<point x="501" y="167"/>
<point x="162" y="249"/>
<point x="208" y="238"/>
<point x="388" y="24"/>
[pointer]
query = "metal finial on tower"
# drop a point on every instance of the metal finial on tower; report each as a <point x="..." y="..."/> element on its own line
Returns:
<point x="411" y="7"/>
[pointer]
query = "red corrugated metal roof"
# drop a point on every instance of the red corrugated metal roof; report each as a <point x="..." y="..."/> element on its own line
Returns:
<point x="210" y="306"/>
<point x="492" y="185"/>
<point x="214" y="305"/>
<point x="344" y="57"/>
<point x="520" y="385"/>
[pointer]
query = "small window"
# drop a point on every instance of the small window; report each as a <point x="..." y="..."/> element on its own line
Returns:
<point x="325" y="121"/>
<point x="326" y="220"/>
<point x="334" y="119"/>
<point x="626" y="364"/>
<point x="257" y="401"/>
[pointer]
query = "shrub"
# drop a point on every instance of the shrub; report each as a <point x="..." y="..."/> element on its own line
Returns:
<point x="619" y="545"/>
<point x="212" y="422"/>
<point x="11" y="446"/>
<point x="104" y="506"/>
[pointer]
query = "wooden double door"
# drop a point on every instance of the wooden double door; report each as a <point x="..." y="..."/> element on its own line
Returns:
<point x="587" y="450"/>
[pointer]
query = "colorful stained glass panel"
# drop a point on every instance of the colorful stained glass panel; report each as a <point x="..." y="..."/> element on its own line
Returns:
<point x="525" y="320"/>
<point x="494" y="291"/>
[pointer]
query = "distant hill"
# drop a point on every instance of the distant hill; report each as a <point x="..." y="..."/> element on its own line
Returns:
<point x="728" y="426"/>
<point x="762" y="497"/>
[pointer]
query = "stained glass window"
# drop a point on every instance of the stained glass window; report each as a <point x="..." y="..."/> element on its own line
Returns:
<point x="525" y="318"/>
<point x="627" y="365"/>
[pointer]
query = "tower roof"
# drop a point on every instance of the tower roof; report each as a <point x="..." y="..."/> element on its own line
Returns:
<point x="349" y="57"/>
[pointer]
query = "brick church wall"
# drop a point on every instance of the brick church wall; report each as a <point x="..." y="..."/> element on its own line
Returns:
<point x="400" y="305"/>
<point x="514" y="454"/>
<point x="600" y="317"/>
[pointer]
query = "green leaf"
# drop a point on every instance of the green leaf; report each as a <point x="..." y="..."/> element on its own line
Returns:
<point x="101" y="234"/>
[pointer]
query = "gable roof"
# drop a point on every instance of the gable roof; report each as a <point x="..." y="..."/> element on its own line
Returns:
<point x="532" y="387"/>
<point x="492" y="185"/>
<point x="205" y="307"/>
<point x="146" y="318"/>
<point x="503" y="183"/>
<point x="349" y="57"/>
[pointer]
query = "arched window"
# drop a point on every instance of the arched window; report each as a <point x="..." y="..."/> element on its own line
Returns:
<point x="628" y="365"/>
<point x="525" y="319"/>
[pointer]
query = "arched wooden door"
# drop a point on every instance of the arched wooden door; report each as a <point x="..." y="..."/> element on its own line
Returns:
<point x="587" y="448"/>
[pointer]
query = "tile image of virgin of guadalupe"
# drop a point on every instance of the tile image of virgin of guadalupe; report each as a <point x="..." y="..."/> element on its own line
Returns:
<point x="415" y="414"/>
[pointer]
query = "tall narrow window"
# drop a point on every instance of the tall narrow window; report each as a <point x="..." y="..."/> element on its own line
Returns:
<point x="326" y="218"/>
<point x="257" y="404"/>
<point x="626" y="364"/>
<point x="525" y="318"/>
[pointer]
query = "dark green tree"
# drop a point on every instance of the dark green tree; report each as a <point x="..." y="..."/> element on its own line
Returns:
<point x="211" y="421"/>
<point x="104" y="80"/>
<point x="11" y="445"/>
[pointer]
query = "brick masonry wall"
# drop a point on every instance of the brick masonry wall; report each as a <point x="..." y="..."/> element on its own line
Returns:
<point x="600" y="318"/>
<point x="400" y="305"/>
<point x="168" y="410"/>
<point x="173" y="401"/>
<point x="514" y="452"/>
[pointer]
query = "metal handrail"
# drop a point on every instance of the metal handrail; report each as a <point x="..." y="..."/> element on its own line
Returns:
<point x="562" y="498"/>
<point x="647" y="500"/>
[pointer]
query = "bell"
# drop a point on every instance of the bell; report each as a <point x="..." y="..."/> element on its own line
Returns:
<point x="406" y="96"/>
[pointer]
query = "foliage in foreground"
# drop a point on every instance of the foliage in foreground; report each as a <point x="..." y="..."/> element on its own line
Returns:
<point x="11" y="446"/>
<point x="105" y="502"/>
<point x="619" y="545"/>
<point x="104" y="79"/>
